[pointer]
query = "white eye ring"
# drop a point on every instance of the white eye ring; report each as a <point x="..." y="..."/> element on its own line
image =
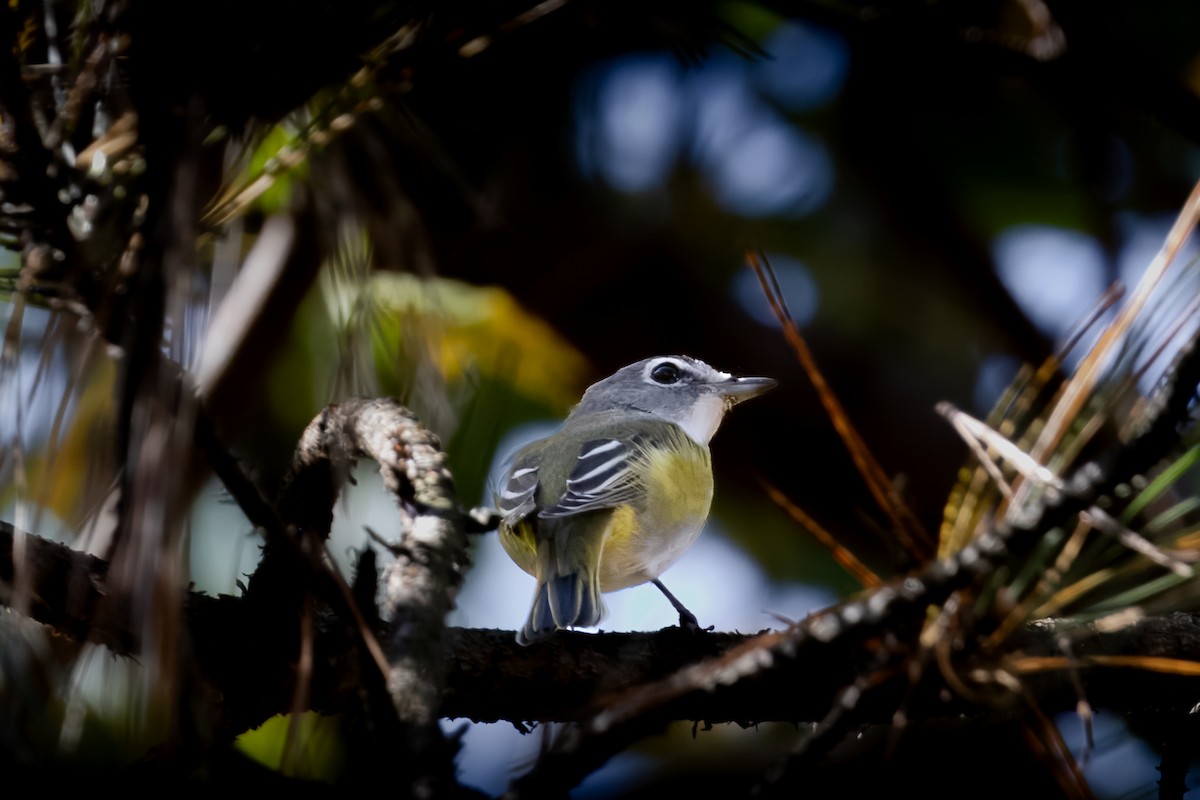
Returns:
<point x="666" y="372"/>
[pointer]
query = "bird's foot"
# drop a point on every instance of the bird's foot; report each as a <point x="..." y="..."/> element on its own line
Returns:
<point x="689" y="623"/>
<point x="687" y="620"/>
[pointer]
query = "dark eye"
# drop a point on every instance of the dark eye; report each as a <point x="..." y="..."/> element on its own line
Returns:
<point x="666" y="372"/>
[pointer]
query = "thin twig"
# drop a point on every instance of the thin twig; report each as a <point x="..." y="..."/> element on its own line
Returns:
<point x="906" y="526"/>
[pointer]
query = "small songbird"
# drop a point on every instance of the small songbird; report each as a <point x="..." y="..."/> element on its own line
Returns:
<point x="620" y="491"/>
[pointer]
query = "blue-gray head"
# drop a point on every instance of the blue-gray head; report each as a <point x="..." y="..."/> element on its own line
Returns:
<point x="679" y="389"/>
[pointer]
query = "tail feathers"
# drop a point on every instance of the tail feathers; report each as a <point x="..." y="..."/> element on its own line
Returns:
<point x="564" y="601"/>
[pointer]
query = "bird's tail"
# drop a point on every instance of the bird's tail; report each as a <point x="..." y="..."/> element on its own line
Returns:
<point x="568" y="592"/>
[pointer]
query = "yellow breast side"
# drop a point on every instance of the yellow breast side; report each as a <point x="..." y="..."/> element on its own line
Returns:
<point x="679" y="482"/>
<point x="642" y="542"/>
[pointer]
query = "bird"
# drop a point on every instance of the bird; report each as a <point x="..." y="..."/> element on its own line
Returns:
<point x="620" y="491"/>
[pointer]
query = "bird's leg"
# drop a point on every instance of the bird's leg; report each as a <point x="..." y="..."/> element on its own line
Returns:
<point x="687" y="620"/>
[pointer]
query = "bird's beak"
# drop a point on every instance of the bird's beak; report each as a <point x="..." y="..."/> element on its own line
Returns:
<point x="735" y="390"/>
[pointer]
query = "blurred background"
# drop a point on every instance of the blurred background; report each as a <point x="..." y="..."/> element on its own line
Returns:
<point x="943" y="190"/>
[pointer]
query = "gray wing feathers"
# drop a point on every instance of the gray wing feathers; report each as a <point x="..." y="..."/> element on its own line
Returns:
<point x="518" y="498"/>
<point x="601" y="478"/>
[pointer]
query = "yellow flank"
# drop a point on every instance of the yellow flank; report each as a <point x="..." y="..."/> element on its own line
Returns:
<point x="622" y="528"/>
<point x="521" y="545"/>
<point x="642" y="542"/>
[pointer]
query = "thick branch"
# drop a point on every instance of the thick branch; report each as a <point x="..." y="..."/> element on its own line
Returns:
<point x="489" y="677"/>
<point x="431" y="555"/>
<point x="420" y="586"/>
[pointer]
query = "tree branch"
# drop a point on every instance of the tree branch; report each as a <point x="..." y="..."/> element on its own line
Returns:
<point x="486" y="676"/>
<point x="431" y="556"/>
